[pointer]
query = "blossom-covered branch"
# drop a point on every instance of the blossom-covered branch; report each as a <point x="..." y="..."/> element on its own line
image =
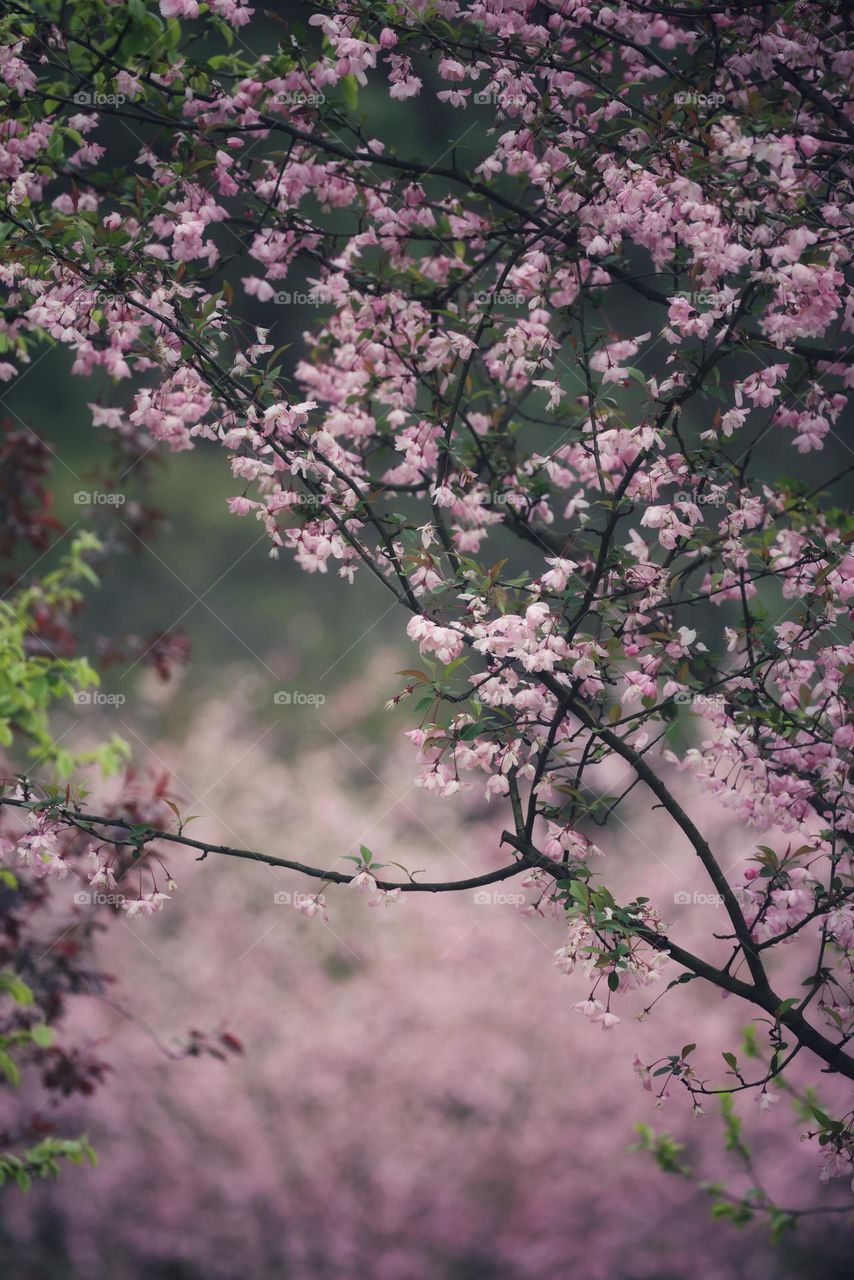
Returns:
<point x="578" y="499"/>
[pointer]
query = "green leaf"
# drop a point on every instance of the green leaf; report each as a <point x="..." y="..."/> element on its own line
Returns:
<point x="9" y="1068"/>
<point x="13" y="986"/>
<point x="785" y="1006"/>
<point x="349" y="86"/>
<point x="824" y="1119"/>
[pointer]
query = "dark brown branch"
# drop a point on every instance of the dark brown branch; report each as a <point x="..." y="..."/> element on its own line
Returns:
<point x="80" y="819"/>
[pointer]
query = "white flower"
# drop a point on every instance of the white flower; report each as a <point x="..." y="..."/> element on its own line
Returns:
<point x="364" y="882"/>
<point x="146" y="905"/>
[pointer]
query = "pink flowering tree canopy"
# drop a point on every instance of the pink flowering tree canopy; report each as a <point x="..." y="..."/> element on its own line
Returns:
<point x="558" y="371"/>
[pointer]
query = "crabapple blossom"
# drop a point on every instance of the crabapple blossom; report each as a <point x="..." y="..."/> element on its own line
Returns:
<point x="550" y="398"/>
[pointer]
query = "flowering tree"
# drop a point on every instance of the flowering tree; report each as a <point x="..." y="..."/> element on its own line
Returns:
<point x="585" y="524"/>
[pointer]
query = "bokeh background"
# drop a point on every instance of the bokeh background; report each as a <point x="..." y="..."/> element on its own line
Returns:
<point x="416" y="1098"/>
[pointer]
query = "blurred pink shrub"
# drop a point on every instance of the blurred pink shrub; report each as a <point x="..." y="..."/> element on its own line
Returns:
<point x="417" y="1098"/>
